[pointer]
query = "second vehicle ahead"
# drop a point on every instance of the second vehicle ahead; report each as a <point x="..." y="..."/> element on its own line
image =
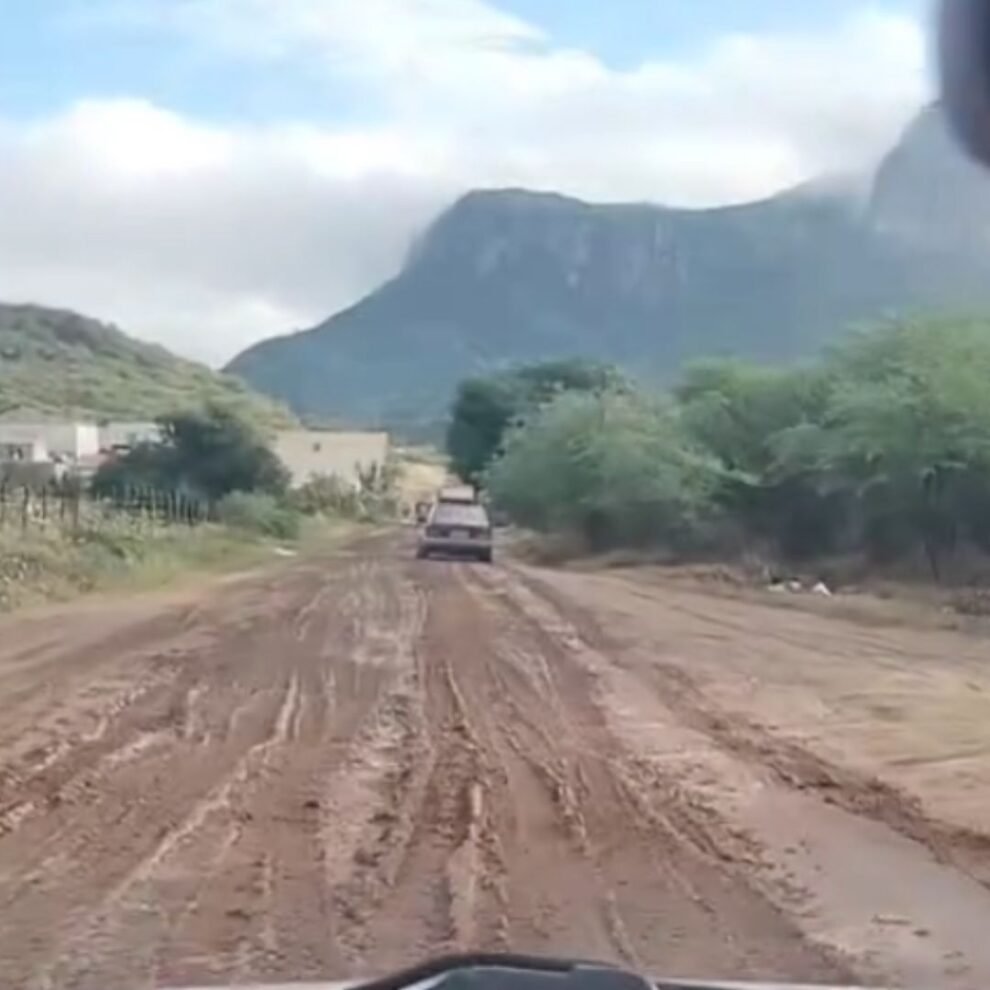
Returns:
<point x="457" y="529"/>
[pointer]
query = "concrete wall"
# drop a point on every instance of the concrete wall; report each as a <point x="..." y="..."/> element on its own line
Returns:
<point x="31" y="451"/>
<point x="311" y="453"/>
<point x="72" y="440"/>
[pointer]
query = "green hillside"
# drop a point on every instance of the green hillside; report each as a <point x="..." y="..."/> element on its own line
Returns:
<point x="55" y="361"/>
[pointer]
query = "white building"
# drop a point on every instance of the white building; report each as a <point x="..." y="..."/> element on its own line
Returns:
<point x="308" y="454"/>
<point x="72" y="441"/>
<point x="31" y="451"/>
<point x="115" y="435"/>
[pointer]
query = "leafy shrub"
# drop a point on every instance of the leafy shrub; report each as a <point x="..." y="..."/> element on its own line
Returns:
<point x="326" y="495"/>
<point x="881" y="451"/>
<point x="373" y="498"/>
<point x="756" y="421"/>
<point x="484" y="409"/>
<point x="259" y="513"/>
<point x="209" y="453"/>
<point x="615" y="469"/>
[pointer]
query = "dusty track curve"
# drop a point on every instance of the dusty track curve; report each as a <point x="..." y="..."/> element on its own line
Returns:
<point x="342" y="766"/>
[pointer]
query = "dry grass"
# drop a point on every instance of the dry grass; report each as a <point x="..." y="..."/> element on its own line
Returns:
<point x="420" y="478"/>
<point x="54" y="564"/>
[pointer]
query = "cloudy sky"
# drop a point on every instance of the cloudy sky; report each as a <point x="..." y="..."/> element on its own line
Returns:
<point x="209" y="172"/>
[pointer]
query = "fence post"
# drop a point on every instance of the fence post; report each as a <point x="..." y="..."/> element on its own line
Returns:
<point x="25" y="508"/>
<point x="3" y="502"/>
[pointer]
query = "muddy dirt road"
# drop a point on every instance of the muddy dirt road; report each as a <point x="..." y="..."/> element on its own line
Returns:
<point x="340" y="766"/>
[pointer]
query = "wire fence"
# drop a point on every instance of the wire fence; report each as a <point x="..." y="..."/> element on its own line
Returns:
<point x="68" y="506"/>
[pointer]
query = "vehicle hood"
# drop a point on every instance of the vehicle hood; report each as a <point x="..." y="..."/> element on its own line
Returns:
<point x="664" y="984"/>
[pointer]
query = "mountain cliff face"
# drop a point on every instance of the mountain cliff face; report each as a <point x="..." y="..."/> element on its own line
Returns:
<point x="511" y="276"/>
<point x="927" y="193"/>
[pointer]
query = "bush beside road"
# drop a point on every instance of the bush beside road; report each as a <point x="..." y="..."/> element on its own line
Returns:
<point x="877" y="455"/>
<point x="41" y="565"/>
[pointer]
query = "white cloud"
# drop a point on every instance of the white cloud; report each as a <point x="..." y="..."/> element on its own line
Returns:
<point x="202" y="240"/>
<point x="388" y="34"/>
<point x="208" y="236"/>
<point x="130" y="138"/>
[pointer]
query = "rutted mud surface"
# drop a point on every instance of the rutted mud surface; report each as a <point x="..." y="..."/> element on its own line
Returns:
<point x="341" y="767"/>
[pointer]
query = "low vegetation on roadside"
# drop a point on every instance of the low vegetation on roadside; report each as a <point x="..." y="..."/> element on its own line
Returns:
<point x="485" y="408"/>
<point x="43" y="564"/>
<point x="209" y="453"/>
<point x="880" y="452"/>
<point x="258" y="513"/>
<point x="374" y="499"/>
<point x="210" y="495"/>
<point x="614" y="467"/>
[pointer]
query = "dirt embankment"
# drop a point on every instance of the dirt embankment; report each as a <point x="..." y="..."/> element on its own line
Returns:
<point x="353" y="763"/>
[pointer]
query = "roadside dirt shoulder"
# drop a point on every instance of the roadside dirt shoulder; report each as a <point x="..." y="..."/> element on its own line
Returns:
<point x="907" y="706"/>
<point x="854" y="759"/>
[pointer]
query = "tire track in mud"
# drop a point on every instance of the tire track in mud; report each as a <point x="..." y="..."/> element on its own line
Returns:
<point x="344" y="766"/>
<point x="429" y="870"/>
<point x="555" y="892"/>
<point x="182" y="843"/>
<point x="128" y="817"/>
<point x="791" y="764"/>
<point x="659" y="876"/>
<point x="419" y="882"/>
<point x="492" y="814"/>
<point x="271" y="888"/>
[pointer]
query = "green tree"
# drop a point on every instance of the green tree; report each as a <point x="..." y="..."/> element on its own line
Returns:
<point x="881" y="449"/>
<point x="210" y="453"/>
<point x="484" y="408"/>
<point x="743" y="414"/>
<point x="908" y="428"/>
<point x="613" y="468"/>
<point x="482" y="411"/>
<point x="737" y="409"/>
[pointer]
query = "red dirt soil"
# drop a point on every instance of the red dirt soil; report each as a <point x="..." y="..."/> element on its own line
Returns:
<point x="343" y="765"/>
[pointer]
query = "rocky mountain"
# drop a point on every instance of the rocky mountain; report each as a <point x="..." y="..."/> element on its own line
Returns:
<point x="512" y="276"/>
<point x="55" y="361"/>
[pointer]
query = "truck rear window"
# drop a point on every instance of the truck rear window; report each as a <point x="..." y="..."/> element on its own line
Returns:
<point x="451" y="514"/>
